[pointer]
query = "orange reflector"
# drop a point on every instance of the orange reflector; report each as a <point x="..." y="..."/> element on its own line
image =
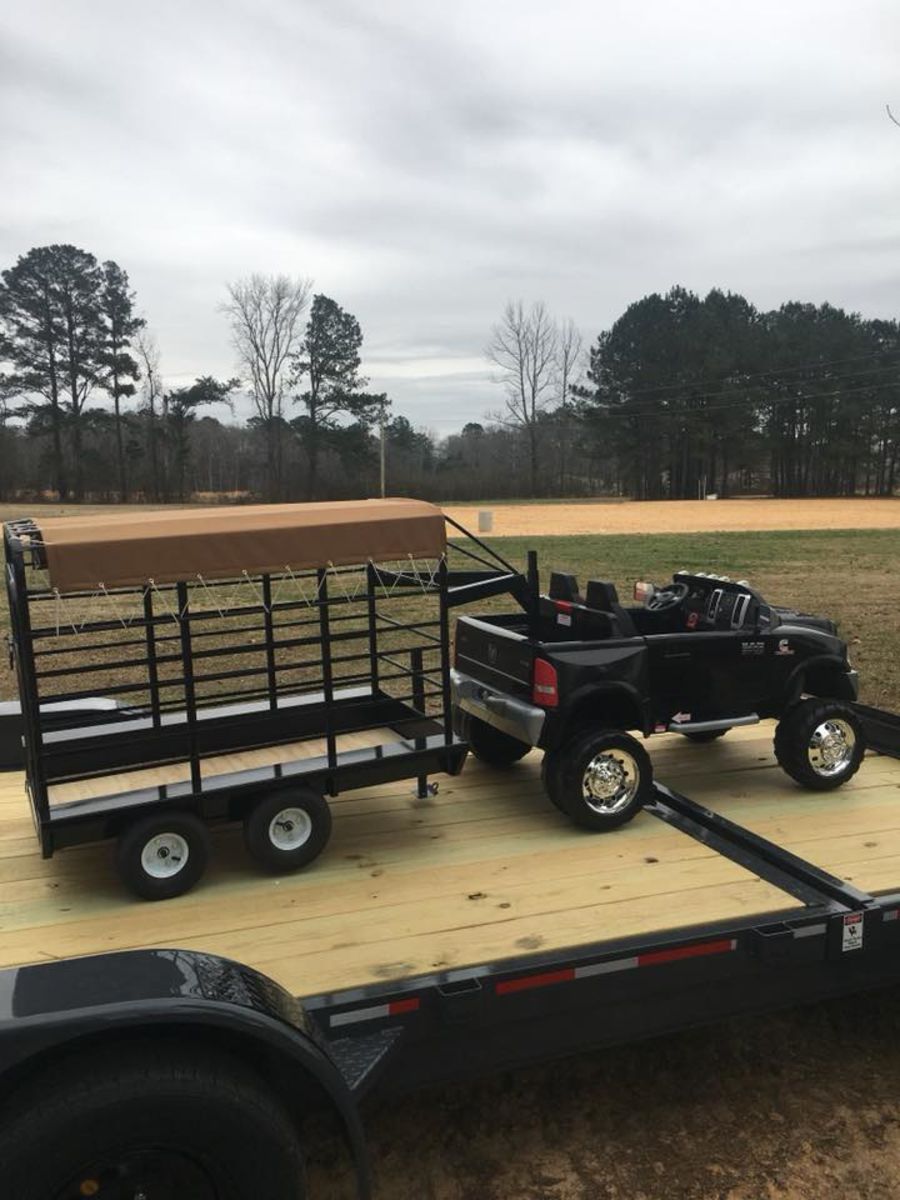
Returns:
<point x="89" y="1187"/>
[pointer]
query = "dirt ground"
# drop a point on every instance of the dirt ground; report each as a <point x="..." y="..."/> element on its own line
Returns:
<point x="800" y="1105"/>
<point x="681" y="516"/>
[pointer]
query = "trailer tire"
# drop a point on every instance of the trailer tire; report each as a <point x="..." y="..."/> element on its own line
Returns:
<point x="287" y="829"/>
<point x="820" y="743"/>
<point x="163" y="855"/>
<point x="490" y="745"/>
<point x="167" y="1119"/>
<point x="701" y="736"/>
<point x="600" y="779"/>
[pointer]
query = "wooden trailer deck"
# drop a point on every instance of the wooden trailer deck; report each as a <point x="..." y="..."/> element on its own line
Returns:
<point x="485" y="870"/>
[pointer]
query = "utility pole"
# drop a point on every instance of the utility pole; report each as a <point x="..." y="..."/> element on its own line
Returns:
<point x="383" y="410"/>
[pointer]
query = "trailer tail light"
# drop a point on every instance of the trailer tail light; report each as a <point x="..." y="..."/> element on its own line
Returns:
<point x="544" y="684"/>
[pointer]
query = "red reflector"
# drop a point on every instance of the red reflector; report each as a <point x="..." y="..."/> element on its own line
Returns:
<point x="664" y="956"/>
<point x="544" y="684"/>
<point x="563" y="605"/>
<point x="525" y="982"/>
<point x="403" y="1006"/>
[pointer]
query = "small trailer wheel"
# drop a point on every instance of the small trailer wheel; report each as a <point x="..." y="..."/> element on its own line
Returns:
<point x="600" y="779"/>
<point x="163" y="855"/>
<point x="820" y="743"/>
<point x="287" y="829"/>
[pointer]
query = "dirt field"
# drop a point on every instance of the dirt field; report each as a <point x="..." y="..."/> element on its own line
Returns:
<point x="649" y="516"/>
<point x="681" y="516"/>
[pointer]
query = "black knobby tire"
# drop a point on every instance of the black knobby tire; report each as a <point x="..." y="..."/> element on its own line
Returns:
<point x="150" y="850"/>
<point x="549" y="766"/>
<point x="596" y="751"/>
<point x="704" y="735"/>
<point x="488" y="744"/>
<point x="287" y="829"/>
<point x="161" y="1118"/>
<point x="796" y="733"/>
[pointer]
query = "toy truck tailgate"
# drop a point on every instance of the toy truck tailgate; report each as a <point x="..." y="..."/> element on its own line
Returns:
<point x="497" y="651"/>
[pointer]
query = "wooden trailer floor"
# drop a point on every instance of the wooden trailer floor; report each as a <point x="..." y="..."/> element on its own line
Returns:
<point x="487" y="869"/>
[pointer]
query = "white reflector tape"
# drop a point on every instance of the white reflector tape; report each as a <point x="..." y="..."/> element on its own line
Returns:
<point x="606" y="968"/>
<point x="394" y="1009"/>
<point x="810" y="931"/>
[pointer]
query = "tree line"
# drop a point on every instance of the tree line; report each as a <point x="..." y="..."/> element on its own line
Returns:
<point x="682" y="396"/>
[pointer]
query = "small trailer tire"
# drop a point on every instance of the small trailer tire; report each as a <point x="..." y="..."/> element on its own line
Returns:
<point x="490" y="745"/>
<point x="600" y="779"/>
<point x="820" y="743"/>
<point x="157" y="1119"/>
<point x="163" y="855"/>
<point x="287" y="829"/>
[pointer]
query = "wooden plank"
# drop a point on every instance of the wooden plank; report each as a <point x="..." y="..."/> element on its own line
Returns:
<point x="486" y="869"/>
<point x="239" y="760"/>
<point x="852" y="832"/>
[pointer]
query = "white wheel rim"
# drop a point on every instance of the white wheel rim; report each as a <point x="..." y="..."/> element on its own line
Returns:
<point x="290" y="829"/>
<point x="610" y="782"/>
<point x="165" y="855"/>
<point x="831" y="747"/>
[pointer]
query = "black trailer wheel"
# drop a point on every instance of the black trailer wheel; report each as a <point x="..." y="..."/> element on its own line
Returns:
<point x="600" y="778"/>
<point x="288" y="829"/>
<point x="163" y="855"/>
<point x="167" y="1120"/>
<point x="488" y="744"/>
<point x="704" y="735"/>
<point x="820" y="743"/>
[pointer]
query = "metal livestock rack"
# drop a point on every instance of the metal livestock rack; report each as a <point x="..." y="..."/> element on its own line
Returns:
<point x="142" y="648"/>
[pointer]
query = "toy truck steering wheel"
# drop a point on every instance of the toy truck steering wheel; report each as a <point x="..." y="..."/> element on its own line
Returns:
<point x="666" y="598"/>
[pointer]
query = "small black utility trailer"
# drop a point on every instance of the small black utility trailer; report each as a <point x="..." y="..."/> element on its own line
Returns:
<point x="188" y="667"/>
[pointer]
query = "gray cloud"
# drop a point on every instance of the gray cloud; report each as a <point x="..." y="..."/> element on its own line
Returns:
<point x="424" y="163"/>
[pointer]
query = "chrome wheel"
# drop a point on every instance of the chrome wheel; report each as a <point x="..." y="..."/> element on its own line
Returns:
<point x="831" y="747"/>
<point x="290" y="828"/>
<point x="165" y="855"/>
<point x="610" y="783"/>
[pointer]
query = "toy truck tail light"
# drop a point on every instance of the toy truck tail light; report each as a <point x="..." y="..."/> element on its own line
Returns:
<point x="544" y="684"/>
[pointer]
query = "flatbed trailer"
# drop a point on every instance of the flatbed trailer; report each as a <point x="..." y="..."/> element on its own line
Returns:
<point x="451" y="935"/>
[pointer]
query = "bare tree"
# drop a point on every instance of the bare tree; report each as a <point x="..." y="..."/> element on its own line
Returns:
<point x="265" y="313"/>
<point x="524" y="345"/>
<point x="568" y="357"/>
<point x="152" y="394"/>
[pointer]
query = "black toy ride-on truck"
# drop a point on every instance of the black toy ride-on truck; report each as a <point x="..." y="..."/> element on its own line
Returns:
<point x="574" y="675"/>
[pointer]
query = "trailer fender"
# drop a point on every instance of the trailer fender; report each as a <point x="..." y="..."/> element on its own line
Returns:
<point x="50" y="1009"/>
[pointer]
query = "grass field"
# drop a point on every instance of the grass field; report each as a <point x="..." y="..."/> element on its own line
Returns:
<point x="843" y="574"/>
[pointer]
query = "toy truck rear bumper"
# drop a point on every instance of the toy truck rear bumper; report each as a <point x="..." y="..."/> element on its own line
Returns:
<point x="516" y="717"/>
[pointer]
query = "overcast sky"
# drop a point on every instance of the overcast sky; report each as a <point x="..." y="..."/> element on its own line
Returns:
<point x="425" y="162"/>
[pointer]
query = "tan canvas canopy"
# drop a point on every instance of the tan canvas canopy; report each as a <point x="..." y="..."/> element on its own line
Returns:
<point x="220" y="543"/>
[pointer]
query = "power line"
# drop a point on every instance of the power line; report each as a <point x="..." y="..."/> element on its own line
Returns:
<point x="737" y="391"/>
<point x="835" y="362"/>
<point x="751" y="401"/>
